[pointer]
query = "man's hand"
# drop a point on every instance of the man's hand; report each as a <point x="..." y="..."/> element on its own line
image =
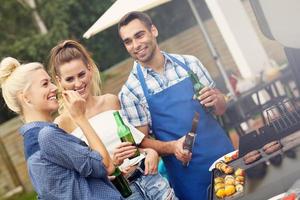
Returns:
<point x="123" y="151"/>
<point x="212" y="97"/>
<point x="151" y="161"/>
<point x="181" y="154"/>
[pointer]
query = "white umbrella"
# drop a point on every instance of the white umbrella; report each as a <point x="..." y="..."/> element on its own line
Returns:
<point x="121" y="7"/>
<point x="117" y="11"/>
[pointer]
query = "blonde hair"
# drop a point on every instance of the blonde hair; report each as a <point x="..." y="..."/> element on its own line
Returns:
<point x="68" y="50"/>
<point x="15" y="78"/>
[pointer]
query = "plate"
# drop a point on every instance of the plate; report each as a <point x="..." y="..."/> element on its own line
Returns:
<point x="222" y="159"/>
<point x="278" y="197"/>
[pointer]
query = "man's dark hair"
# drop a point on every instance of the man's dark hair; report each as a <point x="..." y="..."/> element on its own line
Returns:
<point x="143" y="17"/>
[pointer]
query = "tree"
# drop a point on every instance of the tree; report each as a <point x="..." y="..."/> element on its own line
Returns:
<point x="37" y="19"/>
<point x="23" y="21"/>
<point x="21" y="29"/>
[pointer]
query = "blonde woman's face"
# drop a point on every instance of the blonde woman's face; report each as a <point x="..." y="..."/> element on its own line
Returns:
<point x="42" y="92"/>
<point x="75" y="75"/>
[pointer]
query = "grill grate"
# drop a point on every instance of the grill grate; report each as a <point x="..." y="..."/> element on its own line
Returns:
<point x="284" y="116"/>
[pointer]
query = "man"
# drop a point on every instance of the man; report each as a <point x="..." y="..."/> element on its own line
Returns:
<point x="158" y="98"/>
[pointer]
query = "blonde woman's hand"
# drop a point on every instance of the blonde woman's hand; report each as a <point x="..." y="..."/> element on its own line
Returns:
<point x="74" y="104"/>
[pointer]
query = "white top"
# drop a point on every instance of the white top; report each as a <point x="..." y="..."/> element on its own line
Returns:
<point x="106" y="128"/>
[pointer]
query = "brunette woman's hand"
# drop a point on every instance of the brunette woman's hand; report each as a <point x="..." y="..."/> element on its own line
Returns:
<point x="122" y="151"/>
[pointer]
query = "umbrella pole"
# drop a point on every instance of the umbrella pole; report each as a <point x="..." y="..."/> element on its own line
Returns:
<point x="212" y="49"/>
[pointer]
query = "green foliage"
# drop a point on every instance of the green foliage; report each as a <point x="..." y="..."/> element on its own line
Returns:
<point x="69" y="19"/>
<point x="20" y="37"/>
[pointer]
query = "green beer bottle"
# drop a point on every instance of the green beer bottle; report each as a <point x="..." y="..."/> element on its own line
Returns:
<point x="197" y="86"/>
<point x="121" y="183"/>
<point x="124" y="132"/>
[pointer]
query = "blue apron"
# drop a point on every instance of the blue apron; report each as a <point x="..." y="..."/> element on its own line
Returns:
<point x="172" y="112"/>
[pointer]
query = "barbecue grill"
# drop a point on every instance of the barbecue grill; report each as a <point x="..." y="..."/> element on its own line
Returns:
<point x="273" y="173"/>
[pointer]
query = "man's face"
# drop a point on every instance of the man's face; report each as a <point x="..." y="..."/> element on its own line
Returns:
<point x="139" y="41"/>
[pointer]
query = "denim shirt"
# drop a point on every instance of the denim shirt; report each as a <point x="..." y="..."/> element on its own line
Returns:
<point x="64" y="167"/>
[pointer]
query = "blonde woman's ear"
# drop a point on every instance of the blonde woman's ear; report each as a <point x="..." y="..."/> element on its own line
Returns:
<point x="24" y="99"/>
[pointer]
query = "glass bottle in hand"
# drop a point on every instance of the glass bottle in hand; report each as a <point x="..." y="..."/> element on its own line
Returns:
<point x="124" y="132"/>
<point x="121" y="183"/>
<point x="198" y="86"/>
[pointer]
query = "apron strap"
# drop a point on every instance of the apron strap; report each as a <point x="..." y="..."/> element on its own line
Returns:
<point x="142" y="80"/>
<point x="183" y="65"/>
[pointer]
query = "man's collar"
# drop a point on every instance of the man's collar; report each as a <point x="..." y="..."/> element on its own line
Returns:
<point x="147" y="70"/>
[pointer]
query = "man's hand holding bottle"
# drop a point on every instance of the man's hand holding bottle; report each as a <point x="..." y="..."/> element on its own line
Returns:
<point x="212" y="98"/>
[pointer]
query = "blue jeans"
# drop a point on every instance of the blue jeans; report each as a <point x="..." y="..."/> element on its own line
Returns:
<point x="151" y="187"/>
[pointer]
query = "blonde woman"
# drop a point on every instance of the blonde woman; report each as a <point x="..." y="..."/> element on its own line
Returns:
<point x="73" y="68"/>
<point x="60" y="165"/>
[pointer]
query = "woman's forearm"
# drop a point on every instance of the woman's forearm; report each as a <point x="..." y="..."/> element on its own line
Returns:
<point x="95" y="143"/>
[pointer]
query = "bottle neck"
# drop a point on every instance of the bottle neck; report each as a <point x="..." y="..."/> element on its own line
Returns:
<point x="193" y="77"/>
<point x="118" y="119"/>
<point x="117" y="171"/>
<point x="123" y="130"/>
<point x="196" y="83"/>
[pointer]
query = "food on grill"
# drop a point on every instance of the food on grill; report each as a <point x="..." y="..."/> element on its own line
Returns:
<point x="223" y="167"/>
<point x="251" y="157"/>
<point x="239" y="172"/>
<point x="219" y="186"/>
<point x="271" y="147"/>
<point x="221" y="193"/>
<point x="229" y="180"/>
<point x="229" y="190"/>
<point x="232" y="157"/>
<point x="239" y="180"/>
<point x="227" y="159"/>
<point x="219" y="180"/>
<point x="239" y="188"/>
<point x="230" y="184"/>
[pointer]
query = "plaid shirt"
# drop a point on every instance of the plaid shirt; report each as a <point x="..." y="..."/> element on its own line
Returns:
<point x="133" y="102"/>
